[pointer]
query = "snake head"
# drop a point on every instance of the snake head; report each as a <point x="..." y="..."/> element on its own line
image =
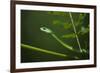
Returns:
<point x="45" y="29"/>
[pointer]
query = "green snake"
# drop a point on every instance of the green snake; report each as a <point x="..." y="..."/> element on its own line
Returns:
<point x="49" y="31"/>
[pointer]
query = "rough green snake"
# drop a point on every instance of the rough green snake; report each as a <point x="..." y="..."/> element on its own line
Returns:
<point x="49" y="31"/>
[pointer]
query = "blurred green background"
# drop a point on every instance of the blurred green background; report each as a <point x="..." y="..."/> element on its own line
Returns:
<point x="60" y="24"/>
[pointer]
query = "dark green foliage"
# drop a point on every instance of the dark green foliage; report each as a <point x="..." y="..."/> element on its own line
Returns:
<point x="60" y="24"/>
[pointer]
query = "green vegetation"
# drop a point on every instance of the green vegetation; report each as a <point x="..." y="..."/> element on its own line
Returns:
<point x="68" y="37"/>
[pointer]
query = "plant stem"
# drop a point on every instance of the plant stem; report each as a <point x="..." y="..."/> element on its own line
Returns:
<point x="72" y="21"/>
<point x="42" y="50"/>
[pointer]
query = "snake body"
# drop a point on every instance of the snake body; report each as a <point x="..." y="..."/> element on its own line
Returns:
<point x="47" y="30"/>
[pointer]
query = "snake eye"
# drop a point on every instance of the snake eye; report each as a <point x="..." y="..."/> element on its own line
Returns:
<point x="44" y="28"/>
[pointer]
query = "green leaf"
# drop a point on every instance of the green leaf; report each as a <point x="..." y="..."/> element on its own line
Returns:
<point x="69" y="36"/>
<point x="56" y="22"/>
<point x="83" y="30"/>
<point x="67" y="26"/>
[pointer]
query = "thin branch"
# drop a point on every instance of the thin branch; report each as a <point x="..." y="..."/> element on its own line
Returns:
<point x="42" y="50"/>
<point x="72" y="21"/>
